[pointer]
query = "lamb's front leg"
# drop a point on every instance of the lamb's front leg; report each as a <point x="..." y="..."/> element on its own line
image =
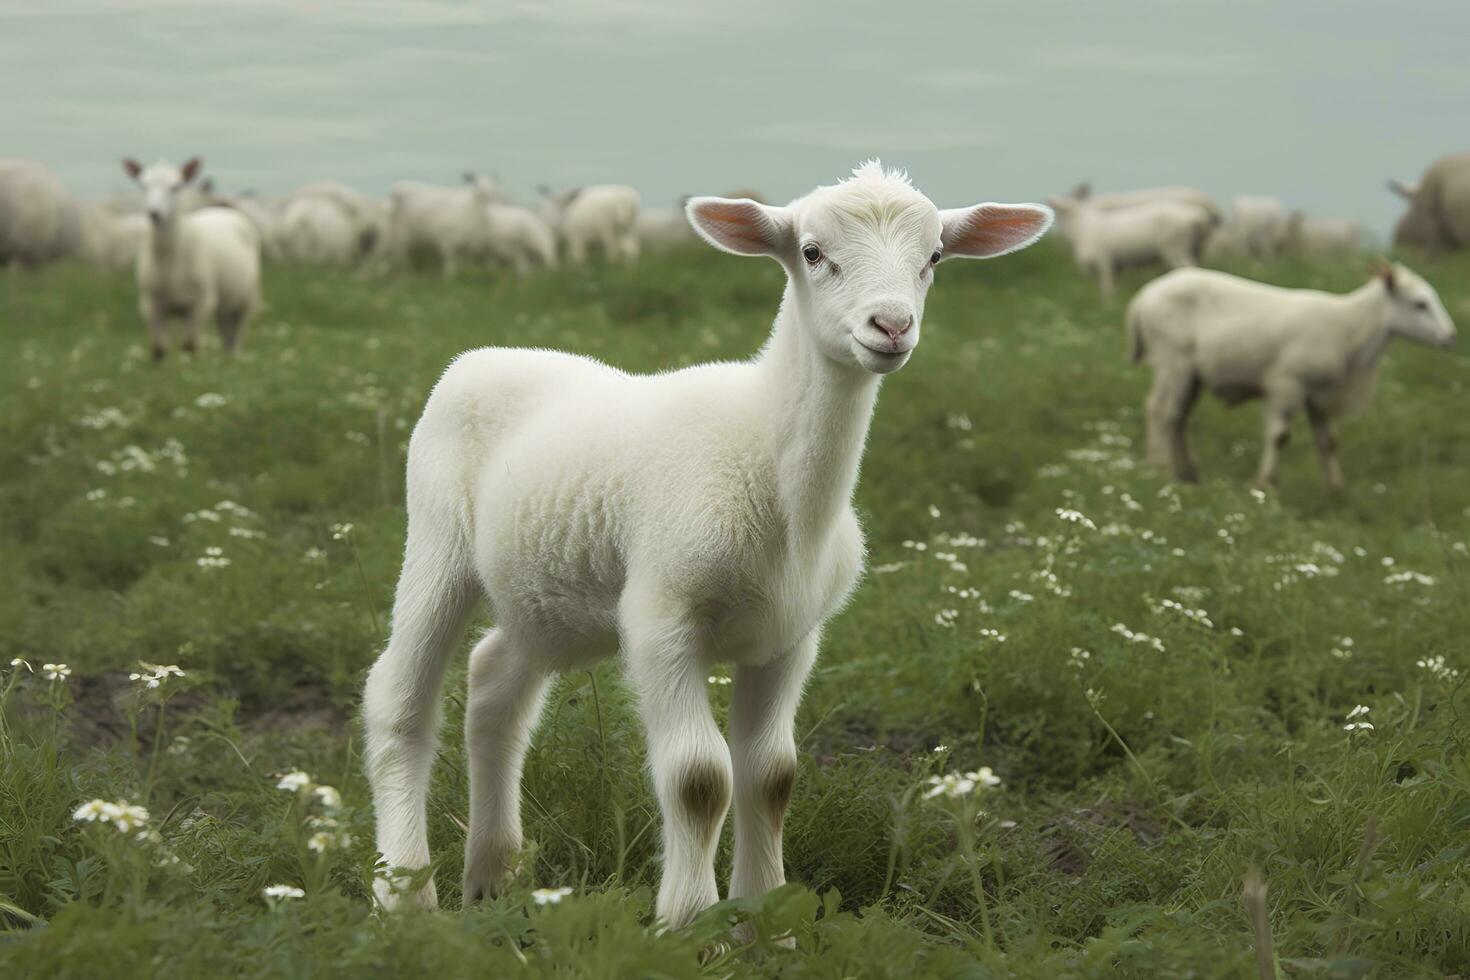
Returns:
<point x="763" y="748"/>
<point x="689" y="759"/>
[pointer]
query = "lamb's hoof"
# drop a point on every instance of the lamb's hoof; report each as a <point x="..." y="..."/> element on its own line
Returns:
<point x="393" y="894"/>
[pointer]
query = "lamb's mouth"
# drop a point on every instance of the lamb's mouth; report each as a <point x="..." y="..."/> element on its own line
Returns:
<point x="883" y="353"/>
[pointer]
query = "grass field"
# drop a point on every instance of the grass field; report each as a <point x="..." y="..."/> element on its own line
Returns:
<point x="1162" y="687"/>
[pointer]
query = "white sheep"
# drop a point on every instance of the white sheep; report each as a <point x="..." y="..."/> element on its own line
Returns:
<point x="110" y="240"/>
<point x="605" y="215"/>
<point x="38" y="220"/>
<point x="1105" y="240"/>
<point x="1261" y="223"/>
<point x="1293" y="348"/>
<point x="1122" y="200"/>
<point x="1323" y="236"/>
<point x="664" y="230"/>
<point x="449" y="221"/>
<point x="200" y="265"/>
<point x="684" y="518"/>
<point x="369" y="215"/>
<point x="521" y="237"/>
<point x="318" y="230"/>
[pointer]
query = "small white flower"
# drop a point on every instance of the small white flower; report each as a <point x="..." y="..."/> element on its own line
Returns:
<point x="55" y="672"/>
<point x="1358" y="711"/>
<point x="320" y="841"/>
<point x="294" y="782"/>
<point x="278" y="892"/>
<point x="341" y="531"/>
<point x="129" y="817"/>
<point x="94" y="810"/>
<point x="209" y="399"/>
<point x="550" y="896"/>
<point x="940" y="748"/>
<point x="327" y="796"/>
<point x="22" y="662"/>
<point x="933" y="512"/>
<point x="1075" y="517"/>
<point x="718" y="680"/>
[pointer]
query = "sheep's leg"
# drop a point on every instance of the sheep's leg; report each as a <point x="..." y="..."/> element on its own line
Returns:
<point x="1326" y="445"/>
<point x="505" y="693"/>
<point x="194" y="324"/>
<point x="688" y="757"/>
<point x="1278" y="431"/>
<point x="231" y="326"/>
<point x="157" y="328"/>
<point x="576" y="250"/>
<point x="401" y="699"/>
<point x="1105" y="276"/>
<point x="763" y="749"/>
<point x="1167" y="409"/>
<point x="630" y="248"/>
<point x="450" y="257"/>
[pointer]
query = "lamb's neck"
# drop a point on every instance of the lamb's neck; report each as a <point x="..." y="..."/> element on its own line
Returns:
<point x="163" y="237"/>
<point x="1365" y="322"/>
<point x="820" y="413"/>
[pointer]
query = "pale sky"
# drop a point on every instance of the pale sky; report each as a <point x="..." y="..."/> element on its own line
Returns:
<point x="1314" y="101"/>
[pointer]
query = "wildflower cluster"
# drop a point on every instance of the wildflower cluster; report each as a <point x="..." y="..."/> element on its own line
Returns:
<point x="1195" y="615"/>
<point x="1138" y="637"/>
<point x="153" y="675"/>
<point x="954" y="785"/>
<point x="126" y="817"/>
<point x="1357" y="720"/>
<point x="54" y="672"/>
<point x="550" y="896"/>
<point x="326" y="833"/>
<point x="1438" y="668"/>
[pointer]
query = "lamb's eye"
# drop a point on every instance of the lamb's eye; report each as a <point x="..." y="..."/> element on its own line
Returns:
<point x="1422" y="306"/>
<point x="811" y="253"/>
<point x="934" y="259"/>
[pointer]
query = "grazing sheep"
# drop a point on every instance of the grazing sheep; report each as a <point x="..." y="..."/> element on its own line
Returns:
<point x="605" y="215"/>
<point x="318" y="230"/>
<point x="109" y="240"/>
<point x="665" y="229"/>
<point x="1105" y="240"/>
<point x="369" y="215"/>
<point x="1438" y="219"/>
<point x="1323" y="236"/>
<point x="451" y="222"/>
<point x="684" y="518"/>
<point x="1293" y="348"/>
<point x="198" y="265"/>
<point x="1150" y="195"/>
<point x="521" y="237"/>
<point x="38" y="221"/>
<point x="1261" y="223"/>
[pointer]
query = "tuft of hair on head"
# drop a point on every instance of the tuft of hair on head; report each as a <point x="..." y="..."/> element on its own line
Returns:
<point x="872" y="171"/>
<point x="1383" y="269"/>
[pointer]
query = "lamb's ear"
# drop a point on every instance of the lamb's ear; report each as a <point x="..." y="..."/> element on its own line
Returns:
<point x="1403" y="190"/>
<point x="987" y="230"/>
<point x="740" y="226"/>
<point x="1383" y="269"/>
<point x="191" y="169"/>
<point x="132" y="167"/>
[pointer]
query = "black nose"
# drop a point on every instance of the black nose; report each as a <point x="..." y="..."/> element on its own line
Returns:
<point x="156" y="217"/>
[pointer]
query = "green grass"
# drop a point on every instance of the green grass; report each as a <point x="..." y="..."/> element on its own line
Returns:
<point x="1126" y="821"/>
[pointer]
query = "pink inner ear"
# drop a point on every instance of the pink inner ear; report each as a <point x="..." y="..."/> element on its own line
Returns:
<point x="736" y="223"/>
<point x="994" y="228"/>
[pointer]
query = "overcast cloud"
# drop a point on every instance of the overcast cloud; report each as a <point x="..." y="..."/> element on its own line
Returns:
<point x="1314" y="101"/>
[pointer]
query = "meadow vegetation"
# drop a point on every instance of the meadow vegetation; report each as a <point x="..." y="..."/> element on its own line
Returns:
<point x="1173" y="684"/>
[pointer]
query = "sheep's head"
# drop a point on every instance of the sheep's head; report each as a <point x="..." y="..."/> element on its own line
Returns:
<point x="860" y="255"/>
<point x="1415" y="309"/>
<point x="162" y="184"/>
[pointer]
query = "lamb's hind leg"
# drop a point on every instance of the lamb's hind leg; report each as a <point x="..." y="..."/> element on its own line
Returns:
<point x="689" y="758"/>
<point x="401" y="699"/>
<point x="505" y="692"/>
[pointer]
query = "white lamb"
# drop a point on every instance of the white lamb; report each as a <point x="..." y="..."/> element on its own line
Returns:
<point x="682" y="518"/>
<point x="369" y="215"/>
<point x="1323" y="236"/>
<point x="198" y="265"/>
<point x="1293" y="348"/>
<point x="664" y="230"/>
<point x="110" y="240"/>
<point x="1105" y="240"/>
<point x="605" y="215"/>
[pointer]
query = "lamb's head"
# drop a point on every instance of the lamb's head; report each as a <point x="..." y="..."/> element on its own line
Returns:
<point x="860" y="255"/>
<point x="162" y="184"/>
<point x="1415" y="310"/>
